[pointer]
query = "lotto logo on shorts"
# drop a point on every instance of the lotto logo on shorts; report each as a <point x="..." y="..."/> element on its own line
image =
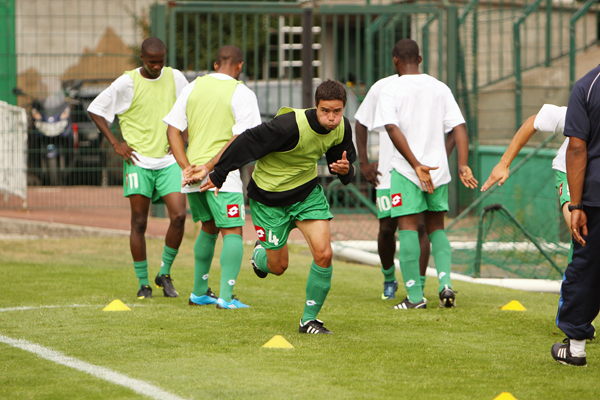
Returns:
<point x="233" y="211"/>
<point x="396" y="200"/>
<point x="260" y="232"/>
<point x="560" y="190"/>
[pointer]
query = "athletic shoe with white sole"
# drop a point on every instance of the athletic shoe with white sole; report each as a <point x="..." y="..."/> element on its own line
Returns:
<point x="257" y="271"/>
<point x="389" y="290"/>
<point x="313" y="326"/>
<point x="406" y="304"/>
<point x="562" y="354"/>
<point x="204" y="300"/>
<point x="233" y="304"/>
<point x="447" y="297"/>
<point x="145" y="292"/>
<point x="165" y="283"/>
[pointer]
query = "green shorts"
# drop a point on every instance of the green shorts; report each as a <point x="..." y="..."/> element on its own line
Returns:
<point x="407" y="198"/>
<point x="152" y="183"/>
<point x="227" y="209"/>
<point x="563" y="188"/>
<point x="384" y="203"/>
<point x="274" y="224"/>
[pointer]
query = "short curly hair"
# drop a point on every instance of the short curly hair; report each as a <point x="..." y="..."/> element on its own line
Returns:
<point x="330" y="90"/>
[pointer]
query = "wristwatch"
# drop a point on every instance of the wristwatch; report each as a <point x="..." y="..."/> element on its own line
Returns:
<point x="575" y="207"/>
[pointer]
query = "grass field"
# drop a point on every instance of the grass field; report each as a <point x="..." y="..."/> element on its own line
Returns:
<point x="475" y="351"/>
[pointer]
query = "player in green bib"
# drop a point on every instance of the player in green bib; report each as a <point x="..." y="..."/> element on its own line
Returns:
<point x="214" y="108"/>
<point x="141" y="98"/>
<point x="284" y="192"/>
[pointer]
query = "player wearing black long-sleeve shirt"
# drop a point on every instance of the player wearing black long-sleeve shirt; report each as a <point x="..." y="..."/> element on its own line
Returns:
<point x="284" y="192"/>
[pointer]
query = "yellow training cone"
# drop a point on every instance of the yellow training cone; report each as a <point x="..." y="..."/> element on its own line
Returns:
<point x="514" y="306"/>
<point x="505" y="396"/>
<point x="278" y="342"/>
<point x="116" y="305"/>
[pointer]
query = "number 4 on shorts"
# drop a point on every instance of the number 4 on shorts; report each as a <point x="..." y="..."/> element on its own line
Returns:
<point x="273" y="239"/>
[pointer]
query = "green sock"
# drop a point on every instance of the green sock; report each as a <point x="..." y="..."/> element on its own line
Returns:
<point x="409" y="264"/>
<point x="260" y="259"/>
<point x="168" y="257"/>
<point x="317" y="287"/>
<point x="389" y="275"/>
<point x="231" y="262"/>
<point x="423" y="279"/>
<point x="141" y="271"/>
<point x="204" y="249"/>
<point x="442" y="254"/>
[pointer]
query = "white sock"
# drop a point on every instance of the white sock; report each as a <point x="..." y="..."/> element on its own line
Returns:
<point x="577" y="346"/>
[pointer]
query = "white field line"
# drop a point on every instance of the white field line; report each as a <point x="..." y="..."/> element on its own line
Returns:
<point x="136" y="385"/>
<point x="24" y="308"/>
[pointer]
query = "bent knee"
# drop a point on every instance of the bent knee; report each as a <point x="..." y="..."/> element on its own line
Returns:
<point x="323" y="257"/>
<point x="278" y="268"/>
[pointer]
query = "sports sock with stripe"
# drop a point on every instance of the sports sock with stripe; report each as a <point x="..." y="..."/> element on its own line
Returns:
<point x="389" y="275"/>
<point x="440" y="248"/>
<point x="168" y="257"/>
<point x="141" y="271"/>
<point x="231" y="262"/>
<point x="204" y="249"/>
<point x="409" y="264"/>
<point x="260" y="259"/>
<point x="317" y="287"/>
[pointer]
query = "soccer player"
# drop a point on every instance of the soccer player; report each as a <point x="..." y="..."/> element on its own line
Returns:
<point x="284" y="191"/>
<point x="550" y="118"/>
<point x="379" y="175"/>
<point x="417" y="111"/>
<point x="141" y="98"/>
<point x="214" y="108"/>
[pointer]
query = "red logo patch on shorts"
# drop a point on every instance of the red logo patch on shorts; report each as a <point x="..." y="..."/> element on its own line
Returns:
<point x="233" y="210"/>
<point x="560" y="190"/>
<point x="396" y="200"/>
<point x="260" y="232"/>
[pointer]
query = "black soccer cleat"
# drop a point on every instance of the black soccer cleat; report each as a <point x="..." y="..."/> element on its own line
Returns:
<point x="313" y="326"/>
<point x="562" y="354"/>
<point x="407" y="304"/>
<point x="257" y="271"/>
<point x="447" y="297"/>
<point x="145" y="292"/>
<point x="165" y="283"/>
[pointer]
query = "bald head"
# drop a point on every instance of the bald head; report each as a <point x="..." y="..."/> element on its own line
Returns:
<point x="153" y="45"/>
<point x="406" y="51"/>
<point x="229" y="55"/>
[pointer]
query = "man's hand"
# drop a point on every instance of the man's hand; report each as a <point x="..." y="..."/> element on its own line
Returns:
<point x="425" y="178"/>
<point x="123" y="149"/>
<point x="370" y="172"/>
<point x="500" y="173"/>
<point x="193" y="174"/>
<point x="340" y="167"/>
<point x="466" y="176"/>
<point x="579" y="223"/>
<point x="209" y="185"/>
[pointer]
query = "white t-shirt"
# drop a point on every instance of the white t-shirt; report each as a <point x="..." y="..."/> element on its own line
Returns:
<point x="117" y="98"/>
<point x="244" y="107"/>
<point x="425" y="110"/>
<point x="366" y="115"/>
<point x="551" y="118"/>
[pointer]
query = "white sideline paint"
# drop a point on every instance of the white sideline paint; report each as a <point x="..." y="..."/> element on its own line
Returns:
<point x="136" y="385"/>
<point x="371" y="246"/>
<point x="530" y="285"/>
<point x="24" y="308"/>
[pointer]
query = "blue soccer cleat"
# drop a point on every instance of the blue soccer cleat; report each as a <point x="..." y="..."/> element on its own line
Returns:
<point x="234" y="303"/>
<point x="389" y="290"/>
<point x="204" y="300"/>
